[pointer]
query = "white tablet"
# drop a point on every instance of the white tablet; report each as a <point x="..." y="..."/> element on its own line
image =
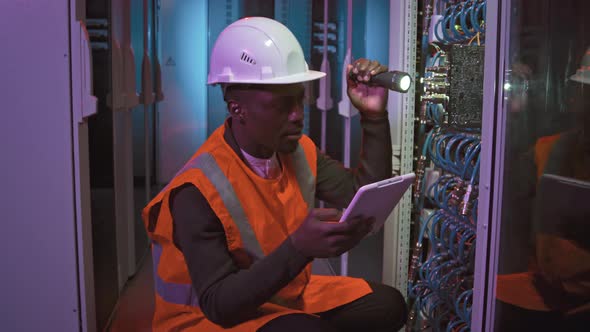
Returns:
<point x="378" y="199"/>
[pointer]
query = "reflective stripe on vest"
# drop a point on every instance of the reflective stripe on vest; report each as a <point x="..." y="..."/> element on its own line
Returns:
<point x="209" y="166"/>
<point x="305" y="178"/>
<point x="185" y="294"/>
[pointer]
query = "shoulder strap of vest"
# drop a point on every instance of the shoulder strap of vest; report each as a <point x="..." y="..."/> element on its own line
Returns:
<point x="211" y="170"/>
<point x="304" y="175"/>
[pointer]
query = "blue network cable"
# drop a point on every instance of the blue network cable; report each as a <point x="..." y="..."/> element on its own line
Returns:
<point x="476" y="13"/>
<point x="466" y="10"/>
<point x="465" y="15"/>
<point x="440" y="284"/>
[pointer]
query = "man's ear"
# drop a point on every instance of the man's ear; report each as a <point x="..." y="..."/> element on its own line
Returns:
<point x="233" y="107"/>
<point x="235" y="110"/>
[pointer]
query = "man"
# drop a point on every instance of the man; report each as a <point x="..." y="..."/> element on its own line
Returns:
<point x="235" y="232"/>
<point x="555" y="290"/>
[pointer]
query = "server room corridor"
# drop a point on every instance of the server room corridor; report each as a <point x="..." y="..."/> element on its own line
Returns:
<point x="295" y="165"/>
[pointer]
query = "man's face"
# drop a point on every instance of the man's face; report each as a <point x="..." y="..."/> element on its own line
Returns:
<point x="273" y="116"/>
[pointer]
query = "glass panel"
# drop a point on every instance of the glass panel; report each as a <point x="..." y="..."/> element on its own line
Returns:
<point x="543" y="276"/>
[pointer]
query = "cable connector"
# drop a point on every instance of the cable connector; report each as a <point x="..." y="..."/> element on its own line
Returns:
<point x="419" y="177"/>
<point x="438" y="69"/>
<point x="435" y="86"/>
<point x="467" y="202"/>
<point x="457" y="194"/>
<point x="415" y="262"/>
<point x="437" y="98"/>
<point x="422" y="116"/>
<point x="411" y="320"/>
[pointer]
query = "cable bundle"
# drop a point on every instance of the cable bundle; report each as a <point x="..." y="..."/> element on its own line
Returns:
<point x="440" y="280"/>
<point x="443" y="291"/>
<point x="461" y="22"/>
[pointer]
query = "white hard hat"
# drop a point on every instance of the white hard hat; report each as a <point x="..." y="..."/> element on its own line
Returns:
<point x="582" y="75"/>
<point x="258" y="50"/>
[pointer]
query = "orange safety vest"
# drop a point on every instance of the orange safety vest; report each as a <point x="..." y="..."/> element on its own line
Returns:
<point x="257" y="215"/>
<point x="543" y="148"/>
<point x="566" y="261"/>
<point x="519" y="289"/>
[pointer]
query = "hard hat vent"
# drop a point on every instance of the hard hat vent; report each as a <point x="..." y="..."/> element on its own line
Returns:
<point x="247" y="58"/>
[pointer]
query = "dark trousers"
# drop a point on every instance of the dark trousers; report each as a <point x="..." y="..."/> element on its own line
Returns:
<point x="510" y="318"/>
<point x="383" y="310"/>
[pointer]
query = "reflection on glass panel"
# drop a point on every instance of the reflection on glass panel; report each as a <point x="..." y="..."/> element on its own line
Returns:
<point x="543" y="276"/>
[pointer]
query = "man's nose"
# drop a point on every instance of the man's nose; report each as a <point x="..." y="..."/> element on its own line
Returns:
<point x="296" y="114"/>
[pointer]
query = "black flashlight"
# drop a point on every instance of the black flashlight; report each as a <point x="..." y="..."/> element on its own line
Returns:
<point x="393" y="80"/>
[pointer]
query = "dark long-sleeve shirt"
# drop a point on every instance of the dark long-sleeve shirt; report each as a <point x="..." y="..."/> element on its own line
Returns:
<point x="227" y="294"/>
